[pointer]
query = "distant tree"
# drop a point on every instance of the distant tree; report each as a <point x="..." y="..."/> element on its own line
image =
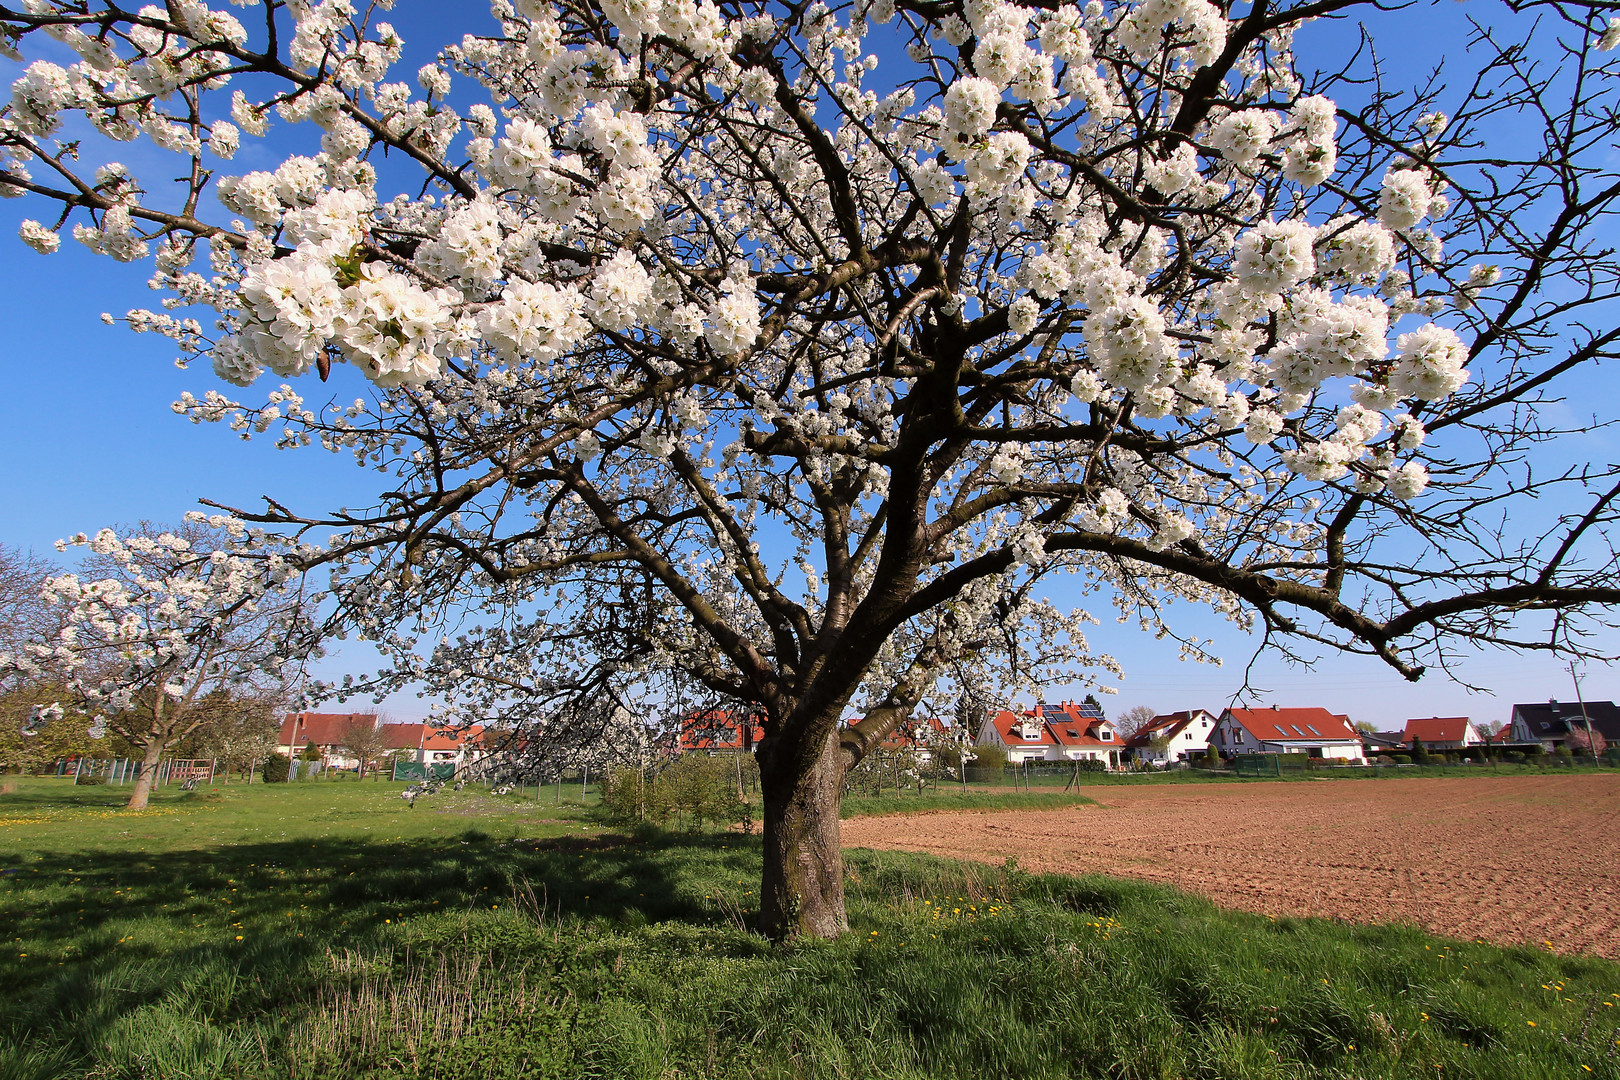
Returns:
<point x="1134" y="719"/>
<point x="242" y="733"/>
<point x="1366" y="727"/>
<point x="25" y="615"/>
<point x="1579" y="742"/>
<point x="362" y="738"/>
<point x="164" y="631"/>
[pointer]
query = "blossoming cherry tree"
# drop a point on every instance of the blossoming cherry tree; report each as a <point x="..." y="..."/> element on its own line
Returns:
<point x="787" y="355"/>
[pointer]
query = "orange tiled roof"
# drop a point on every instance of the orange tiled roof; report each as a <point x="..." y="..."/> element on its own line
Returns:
<point x="1438" y="729"/>
<point x="1308" y="724"/>
<point x="322" y="729"/>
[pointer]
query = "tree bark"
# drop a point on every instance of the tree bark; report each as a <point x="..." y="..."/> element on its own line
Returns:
<point x="802" y="891"/>
<point x="143" y="783"/>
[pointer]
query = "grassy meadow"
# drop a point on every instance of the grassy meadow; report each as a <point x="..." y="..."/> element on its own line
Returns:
<point x="327" y="930"/>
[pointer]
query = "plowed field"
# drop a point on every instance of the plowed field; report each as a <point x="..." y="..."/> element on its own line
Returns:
<point x="1523" y="859"/>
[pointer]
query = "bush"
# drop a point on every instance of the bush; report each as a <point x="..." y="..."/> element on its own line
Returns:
<point x="1401" y="759"/>
<point x="276" y="769"/>
<point x="1514" y="757"/>
<point x="694" y="790"/>
<point x="90" y="780"/>
<point x="990" y="758"/>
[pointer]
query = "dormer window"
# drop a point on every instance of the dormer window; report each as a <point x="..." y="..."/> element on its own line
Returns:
<point x="1107" y="736"/>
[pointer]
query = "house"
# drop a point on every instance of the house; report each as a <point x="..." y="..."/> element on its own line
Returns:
<point x="716" y="731"/>
<point x="916" y="734"/>
<point x="331" y="733"/>
<point x="1442" y="733"/>
<point x="431" y="744"/>
<point x="1274" y="730"/>
<point x="1064" y="732"/>
<point x="328" y="731"/>
<point x="1173" y="737"/>
<point x="1552" y="723"/>
<point x="1383" y="742"/>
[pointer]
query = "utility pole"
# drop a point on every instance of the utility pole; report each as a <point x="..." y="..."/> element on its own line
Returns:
<point x="1591" y="745"/>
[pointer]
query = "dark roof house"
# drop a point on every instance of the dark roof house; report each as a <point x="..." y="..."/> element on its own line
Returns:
<point x="1550" y="722"/>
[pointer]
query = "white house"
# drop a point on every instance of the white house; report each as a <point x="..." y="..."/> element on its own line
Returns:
<point x="1313" y="731"/>
<point x="1063" y="732"/>
<point x="1443" y="733"/>
<point x="1181" y="736"/>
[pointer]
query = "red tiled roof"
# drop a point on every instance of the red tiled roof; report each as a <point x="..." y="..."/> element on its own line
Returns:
<point x="449" y="738"/>
<point x="323" y="729"/>
<point x="1167" y="725"/>
<point x="1006" y="721"/>
<point x="716" y="729"/>
<point x="1298" y="725"/>
<point x="1059" y="725"/>
<point x="902" y="737"/>
<point x="402" y="736"/>
<point x="1437" y="729"/>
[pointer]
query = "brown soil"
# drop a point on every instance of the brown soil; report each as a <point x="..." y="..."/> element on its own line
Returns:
<point x="1525" y="859"/>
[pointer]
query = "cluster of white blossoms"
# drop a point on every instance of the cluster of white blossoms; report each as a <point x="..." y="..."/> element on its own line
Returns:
<point x="645" y="191"/>
<point x="161" y="619"/>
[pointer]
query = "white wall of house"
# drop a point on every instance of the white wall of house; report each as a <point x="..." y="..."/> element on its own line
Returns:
<point x="1230" y="738"/>
<point x="1107" y="755"/>
<point x="1188" y="743"/>
<point x="1344" y="751"/>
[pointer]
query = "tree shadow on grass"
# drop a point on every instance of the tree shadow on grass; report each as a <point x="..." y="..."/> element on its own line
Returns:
<point x="237" y="932"/>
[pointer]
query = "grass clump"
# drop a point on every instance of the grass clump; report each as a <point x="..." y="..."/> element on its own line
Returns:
<point x="346" y="936"/>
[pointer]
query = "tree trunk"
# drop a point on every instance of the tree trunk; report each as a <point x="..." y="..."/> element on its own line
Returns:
<point x="802" y="891"/>
<point x="143" y="783"/>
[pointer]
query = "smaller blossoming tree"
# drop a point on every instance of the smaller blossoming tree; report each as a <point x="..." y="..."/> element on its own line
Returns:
<point x="165" y="630"/>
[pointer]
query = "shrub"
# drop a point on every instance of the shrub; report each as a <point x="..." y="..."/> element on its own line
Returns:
<point x="990" y="758"/>
<point x="694" y="790"/>
<point x="1401" y="759"/>
<point x="1514" y="757"/>
<point x="276" y="769"/>
<point x="90" y="780"/>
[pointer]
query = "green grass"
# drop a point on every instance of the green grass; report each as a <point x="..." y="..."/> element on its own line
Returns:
<point x="327" y="931"/>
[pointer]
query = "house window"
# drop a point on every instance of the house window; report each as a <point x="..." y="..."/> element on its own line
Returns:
<point x="1318" y="734"/>
<point x="1107" y="736"/>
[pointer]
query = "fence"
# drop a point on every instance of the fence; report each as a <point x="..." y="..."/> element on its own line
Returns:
<point x="1270" y="764"/>
<point x="418" y="770"/>
<point x="128" y="770"/>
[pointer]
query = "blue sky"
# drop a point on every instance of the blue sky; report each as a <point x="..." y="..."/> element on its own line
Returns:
<point x="89" y="440"/>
